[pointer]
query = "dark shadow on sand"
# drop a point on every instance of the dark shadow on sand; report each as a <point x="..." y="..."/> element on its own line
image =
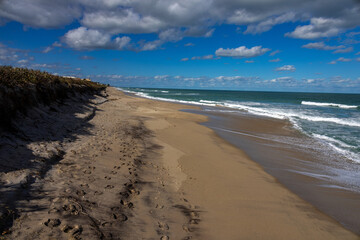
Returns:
<point x="45" y="128"/>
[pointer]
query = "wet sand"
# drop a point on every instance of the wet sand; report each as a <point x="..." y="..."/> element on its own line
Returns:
<point x="130" y="168"/>
<point x="302" y="168"/>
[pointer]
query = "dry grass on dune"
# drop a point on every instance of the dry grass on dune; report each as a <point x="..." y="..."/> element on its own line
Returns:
<point x="21" y="88"/>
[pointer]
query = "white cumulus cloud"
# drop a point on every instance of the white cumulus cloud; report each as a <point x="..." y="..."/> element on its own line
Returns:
<point x="318" y="28"/>
<point x="40" y="13"/>
<point x="318" y="19"/>
<point x="282" y="80"/>
<point x="290" y="68"/>
<point x="321" y="46"/>
<point x="241" y="52"/>
<point x="267" y="24"/>
<point x="83" y="38"/>
<point x="122" y="21"/>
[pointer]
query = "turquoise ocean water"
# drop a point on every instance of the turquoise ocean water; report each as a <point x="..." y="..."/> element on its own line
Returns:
<point x="333" y="119"/>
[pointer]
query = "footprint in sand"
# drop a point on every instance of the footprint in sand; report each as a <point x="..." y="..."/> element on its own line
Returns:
<point x="80" y="193"/>
<point x="107" y="178"/>
<point x="126" y="203"/>
<point x="194" y="221"/>
<point x="115" y="209"/>
<point x="109" y="187"/>
<point x="194" y="214"/>
<point x="91" y="179"/>
<point x="66" y="228"/>
<point x="71" y="209"/>
<point x="84" y="185"/>
<point x="132" y="190"/>
<point x="76" y="231"/>
<point x="120" y="216"/>
<point x="163" y="226"/>
<point x="186" y="229"/>
<point x="52" y="222"/>
<point x="113" y="172"/>
<point x="106" y="224"/>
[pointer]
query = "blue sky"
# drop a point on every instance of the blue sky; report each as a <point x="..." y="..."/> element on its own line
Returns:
<point x="275" y="45"/>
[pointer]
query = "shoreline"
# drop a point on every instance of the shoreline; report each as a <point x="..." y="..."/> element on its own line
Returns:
<point x="298" y="168"/>
<point x="193" y="180"/>
<point x="290" y="156"/>
<point x="138" y="168"/>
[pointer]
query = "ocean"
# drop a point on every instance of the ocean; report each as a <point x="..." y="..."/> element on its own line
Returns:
<point x="334" y="119"/>
<point x="318" y="158"/>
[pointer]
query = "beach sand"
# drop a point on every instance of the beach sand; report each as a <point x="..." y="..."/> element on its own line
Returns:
<point x="121" y="167"/>
<point x="293" y="158"/>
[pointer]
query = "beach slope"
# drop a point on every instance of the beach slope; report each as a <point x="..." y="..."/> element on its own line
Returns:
<point x="141" y="169"/>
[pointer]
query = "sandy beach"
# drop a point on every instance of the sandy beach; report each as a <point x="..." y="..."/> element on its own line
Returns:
<point x="113" y="166"/>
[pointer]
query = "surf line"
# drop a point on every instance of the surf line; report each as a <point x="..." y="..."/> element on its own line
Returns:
<point x="250" y="135"/>
<point x="254" y="136"/>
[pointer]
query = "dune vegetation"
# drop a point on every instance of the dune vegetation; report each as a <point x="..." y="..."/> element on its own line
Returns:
<point x="22" y="88"/>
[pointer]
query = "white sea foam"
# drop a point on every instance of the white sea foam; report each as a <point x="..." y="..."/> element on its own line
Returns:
<point x="320" y="104"/>
<point x="145" y="95"/>
<point x="349" y="155"/>
<point x="127" y="91"/>
<point x="291" y="114"/>
<point x="262" y="111"/>
<point x="210" y="102"/>
<point x="351" y="123"/>
<point x="342" y="149"/>
<point x="256" y="110"/>
<point x="352" y="156"/>
<point x="330" y="139"/>
<point x="185" y="94"/>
